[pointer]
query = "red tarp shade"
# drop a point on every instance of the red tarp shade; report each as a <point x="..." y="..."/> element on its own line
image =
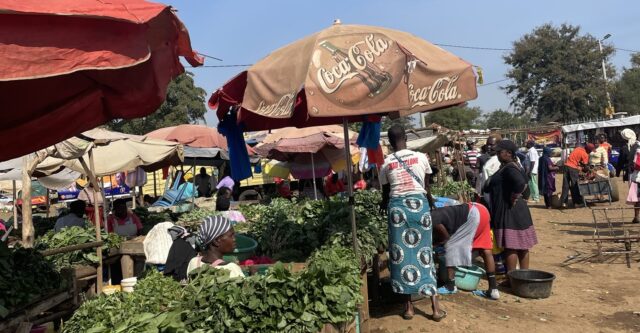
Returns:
<point x="69" y="66"/>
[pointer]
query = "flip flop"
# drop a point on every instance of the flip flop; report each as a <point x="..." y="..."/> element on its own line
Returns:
<point x="444" y="291"/>
<point x="440" y="317"/>
<point x="407" y="316"/>
<point x="484" y="294"/>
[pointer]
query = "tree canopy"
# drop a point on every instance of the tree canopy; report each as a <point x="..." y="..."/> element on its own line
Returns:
<point x="557" y="73"/>
<point x="504" y="119"/>
<point x="627" y="92"/>
<point x="455" y="118"/>
<point x="184" y="104"/>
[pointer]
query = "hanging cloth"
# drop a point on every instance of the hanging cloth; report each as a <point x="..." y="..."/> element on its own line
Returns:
<point x="369" y="136"/>
<point x="238" y="155"/>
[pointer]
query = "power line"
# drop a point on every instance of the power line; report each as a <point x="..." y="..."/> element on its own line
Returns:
<point x="474" y="47"/>
<point x="493" y="82"/>
<point x="208" y="56"/>
<point x="626" y="50"/>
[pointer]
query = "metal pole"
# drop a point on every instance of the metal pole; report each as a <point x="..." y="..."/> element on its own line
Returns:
<point x="604" y="74"/>
<point x="347" y="156"/>
<point x="155" y="189"/>
<point x="313" y="171"/>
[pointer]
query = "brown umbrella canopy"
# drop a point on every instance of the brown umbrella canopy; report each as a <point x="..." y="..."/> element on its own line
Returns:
<point x="346" y="71"/>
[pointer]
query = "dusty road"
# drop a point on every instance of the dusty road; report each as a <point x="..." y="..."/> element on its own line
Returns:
<point x="588" y="296"/>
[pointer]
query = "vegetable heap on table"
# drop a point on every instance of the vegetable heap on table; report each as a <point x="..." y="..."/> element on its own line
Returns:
<point x="74" y="236"/>
<point x="289" y="231"/>
<point x="327" y="291"/>
<point x="25" y="276"/>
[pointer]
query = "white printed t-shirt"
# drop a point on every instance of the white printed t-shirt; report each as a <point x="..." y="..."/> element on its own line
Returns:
<point x="402" y="183"/>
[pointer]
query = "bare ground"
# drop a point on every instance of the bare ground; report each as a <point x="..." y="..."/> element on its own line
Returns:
<point x="588" y="295"/>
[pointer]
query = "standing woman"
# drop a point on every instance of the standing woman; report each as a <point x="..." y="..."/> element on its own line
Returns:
<point x="547" y="176"/>
<point x="510" y="217"/>
<point x="407" y="199"/>
<point x="629" y="154"/>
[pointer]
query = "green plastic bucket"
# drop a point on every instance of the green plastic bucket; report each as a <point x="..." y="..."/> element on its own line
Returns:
<point x="468" y="277"/>
<point x="245" y="249"/>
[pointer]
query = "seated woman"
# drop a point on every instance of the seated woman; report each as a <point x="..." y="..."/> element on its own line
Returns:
<point x="215" y="238"/>
<point x="122" y="221"/>
<point x="223" y="203"/>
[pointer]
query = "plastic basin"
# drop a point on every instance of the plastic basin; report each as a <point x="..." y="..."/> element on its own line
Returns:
<point x="468" y="277"/>
<point x="531" y="283"/>
<point x="245" y="249"/>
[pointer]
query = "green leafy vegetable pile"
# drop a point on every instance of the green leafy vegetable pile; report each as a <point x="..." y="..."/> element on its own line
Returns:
<point x="193" y="218"/>
<point x="453" y="189"/>
<point x="150" y="219"/>
<point x="75" y="236"/>
<point x="25" y="276"/>
<point x="289" y="231"/>
<point x="126" y="312"/>
<point x="327" y="291"/>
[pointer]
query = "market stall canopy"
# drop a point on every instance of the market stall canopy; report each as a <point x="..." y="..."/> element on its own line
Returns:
<point x="67" y="66"/>
<point x="195" y="136"/>
<point x="116" y="152"/>
<point x="51" y="174"/>
<point x="310" y="152"/>
<point x="427" y="145"/>
<point x="618" y="122"/>
<point x="345" y="71"/>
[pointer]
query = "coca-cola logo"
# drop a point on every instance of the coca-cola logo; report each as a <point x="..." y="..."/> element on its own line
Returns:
<point x="442" y="90"/>
<point x="352" y="63"/>
<point x="283" y="108"/>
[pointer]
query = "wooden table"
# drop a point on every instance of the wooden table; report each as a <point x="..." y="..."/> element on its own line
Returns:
<point x="129" y="250"/>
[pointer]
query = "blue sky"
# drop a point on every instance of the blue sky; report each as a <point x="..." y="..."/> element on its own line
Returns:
<point x="242" y="31"/>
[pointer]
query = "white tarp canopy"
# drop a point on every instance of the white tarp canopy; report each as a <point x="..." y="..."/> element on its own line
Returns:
<point x="428" y="144"/>
<point x="619" y="122"/>
<point x="113" y="152"/>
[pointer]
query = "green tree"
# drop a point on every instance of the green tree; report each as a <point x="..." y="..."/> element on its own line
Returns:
<point x="556" y="72"/>
<point x="455" y="118"/>
<point x="504" y="119"/>
<point x="627" y="89"/>
<point x="184" y="104"/>
<point x="403" y="121"/>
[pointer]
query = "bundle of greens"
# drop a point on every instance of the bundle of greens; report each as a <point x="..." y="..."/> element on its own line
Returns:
<point x="24" y="277"/>
<point x="193" y="218"/>
<point x="75" y="236"/>
<point x="150" y="219"/>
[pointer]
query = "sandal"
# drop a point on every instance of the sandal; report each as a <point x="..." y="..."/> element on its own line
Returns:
<point x="485" y="294"/>
<point x="437" y="319"/>
<point x="407" y="316"/>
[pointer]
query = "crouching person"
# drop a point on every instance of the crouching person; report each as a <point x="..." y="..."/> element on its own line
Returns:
<point x="462" y="229"/>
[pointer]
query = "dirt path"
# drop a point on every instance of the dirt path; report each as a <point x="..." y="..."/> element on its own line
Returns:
<point x="588" y="296"/>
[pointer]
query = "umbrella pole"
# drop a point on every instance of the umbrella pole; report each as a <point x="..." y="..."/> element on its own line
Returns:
<point x="313" y="171"/>
<point x="106" y="205"/>
<point x="347" y="156"/>
<point x="15" y="208"/>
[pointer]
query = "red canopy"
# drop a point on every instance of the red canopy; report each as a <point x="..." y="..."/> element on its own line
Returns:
<point x="67" y="66"/>
<point x="197" y="136"/>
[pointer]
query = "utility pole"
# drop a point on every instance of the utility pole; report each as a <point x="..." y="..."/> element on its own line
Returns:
<point x="609" y="110"/>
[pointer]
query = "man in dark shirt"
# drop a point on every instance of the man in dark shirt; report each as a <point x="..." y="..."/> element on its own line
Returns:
<point x="461" y="229"/>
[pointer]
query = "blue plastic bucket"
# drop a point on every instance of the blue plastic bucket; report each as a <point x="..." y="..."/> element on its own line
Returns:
<point x="468" y="277"/>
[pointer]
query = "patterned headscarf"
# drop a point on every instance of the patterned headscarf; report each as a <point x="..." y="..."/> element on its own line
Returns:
<point x="211" y="228"/>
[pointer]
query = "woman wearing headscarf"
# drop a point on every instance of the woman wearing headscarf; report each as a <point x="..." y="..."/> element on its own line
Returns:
<point x="629" y="152"/>
<point x="180" y="254"/>
<point x="547" y="176"/>
<point x="625" y="160"/>
<point x="215" y="238"/>
<point x="510" y="217"/>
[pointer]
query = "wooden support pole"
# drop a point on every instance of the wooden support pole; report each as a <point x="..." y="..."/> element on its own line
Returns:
<point x="71" y="248"/>
<point x="28" y="232"/>
<point x="92" y="178"/>
<point x="15" y="207"/>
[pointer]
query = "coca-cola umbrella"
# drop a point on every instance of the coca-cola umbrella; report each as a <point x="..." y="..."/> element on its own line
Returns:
<point x="320" y="147"/>
<point x="343" y="73"/>
<point x="68" y="66"/>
